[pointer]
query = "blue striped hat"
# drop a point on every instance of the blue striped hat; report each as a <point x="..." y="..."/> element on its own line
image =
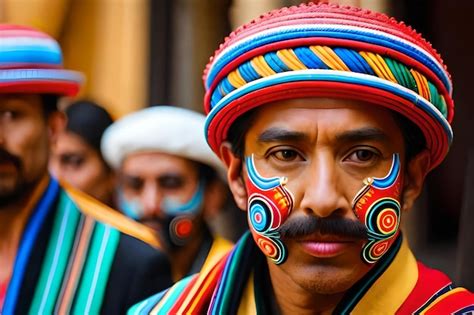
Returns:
<point x="31" y="62"/>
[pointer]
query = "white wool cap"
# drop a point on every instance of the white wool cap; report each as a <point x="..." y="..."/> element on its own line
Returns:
<point x="166" y="129"/>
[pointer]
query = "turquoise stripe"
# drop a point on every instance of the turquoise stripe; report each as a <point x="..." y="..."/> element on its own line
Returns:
<point x="57" y="256"/>
<point x="138" y="308"/>
<point x="29" y="55"/>
<point x="96" y="270"/>
<point x="45" y="205"/>
<point x="174" y="293"/>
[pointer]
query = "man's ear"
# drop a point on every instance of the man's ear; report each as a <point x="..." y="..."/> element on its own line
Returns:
<point x="56" y="124"/>
<point x="415" y="174"/>
<point x="234" y="175"/>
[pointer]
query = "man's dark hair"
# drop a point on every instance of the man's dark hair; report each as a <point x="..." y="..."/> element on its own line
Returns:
<point x="50" y="104"/>
<point x="412" y="135"/>
<point x="238" y="130"/>
<point x="206" y="173"/>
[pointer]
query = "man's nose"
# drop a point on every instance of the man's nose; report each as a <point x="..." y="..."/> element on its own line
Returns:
<point x="151" y="200"/>
<point x="322" y="194"/>
<point x="2" y="130"/>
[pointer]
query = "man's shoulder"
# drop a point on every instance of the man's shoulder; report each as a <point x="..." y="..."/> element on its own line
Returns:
<point x="137" y="272"/>
<point x="165" y="299"/>
<point x="435" y="293"/>
<point x="105" y="215"/>
<point x="133" y="268"/>
<point x="133" y="251"/>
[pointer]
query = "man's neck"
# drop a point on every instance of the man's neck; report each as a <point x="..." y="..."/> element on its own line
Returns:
<point x="291" y="298"/>
<point x="182" y="258"/>
<point x="13" y="219"/>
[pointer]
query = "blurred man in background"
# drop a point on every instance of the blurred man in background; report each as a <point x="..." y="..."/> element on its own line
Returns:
<point x="168" y="180"/>
<point x="76" y="156"/>
<point x="60" y="251"/>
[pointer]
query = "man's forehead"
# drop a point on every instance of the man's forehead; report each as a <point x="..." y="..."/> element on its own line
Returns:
<point x="30" y="103"/>
<point x="156" y="162"/>
<point x="25" y="97"/>
<point x="296" y="118"/>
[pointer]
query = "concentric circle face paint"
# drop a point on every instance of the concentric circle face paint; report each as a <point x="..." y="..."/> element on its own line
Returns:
<point x="180" y="229"/>
<point x="269" y="205"/>
<point x="178" y="216"/>
<point x="377" y="206"/>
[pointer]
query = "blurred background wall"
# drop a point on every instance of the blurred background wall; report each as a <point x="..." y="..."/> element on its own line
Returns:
<point x="137" y="53"/>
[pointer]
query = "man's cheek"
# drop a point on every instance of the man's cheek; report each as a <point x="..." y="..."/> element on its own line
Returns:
<point x="269" y="205"/>
<point x="377" y="206"/>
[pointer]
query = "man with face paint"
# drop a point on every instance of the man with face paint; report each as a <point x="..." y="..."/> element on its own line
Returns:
<point x="168" y="180"/>
<point x="61" y="251"/>
<point x="328" y="119"/>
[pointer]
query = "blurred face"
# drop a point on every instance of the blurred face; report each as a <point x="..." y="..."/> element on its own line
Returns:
<point x="306" y="174"/>
<point x="24" y="143"/>
<point x="162" y="191"/>
<point x="76" y="162"/>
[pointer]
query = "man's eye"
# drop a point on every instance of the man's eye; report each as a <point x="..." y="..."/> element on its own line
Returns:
<point x="170" y="181"/>
<point x="286" y="155"/>
<point x="362" y="156"/>
<point x="74" y="161"/>
<point x="8" y="115"/>
<point x="133" y="183"/>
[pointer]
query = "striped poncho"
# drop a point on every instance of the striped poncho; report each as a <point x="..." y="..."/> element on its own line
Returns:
<point x="69" y="262"/>
<point x="398" y="284"/>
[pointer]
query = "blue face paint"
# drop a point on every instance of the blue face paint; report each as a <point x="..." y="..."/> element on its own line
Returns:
<point x="179" y="216"/>
<point x="173" y="208"/>
<point x="131" y="208"/>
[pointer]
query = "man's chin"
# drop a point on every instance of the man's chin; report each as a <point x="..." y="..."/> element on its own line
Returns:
<point x="157" y="227"/>
<point x="11" y="191"/>
<point x="153" y="224"/>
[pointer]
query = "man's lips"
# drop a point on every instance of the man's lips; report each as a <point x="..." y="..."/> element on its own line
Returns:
<point x="7" y="166"/>
<point x="327" y="246"/>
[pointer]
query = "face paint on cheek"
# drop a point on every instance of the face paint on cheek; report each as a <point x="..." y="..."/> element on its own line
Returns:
<point x="131" y="208"/>
<point x="181" y="215"/>
<point x="377" y="205"/>
<point x="269" y="205"/>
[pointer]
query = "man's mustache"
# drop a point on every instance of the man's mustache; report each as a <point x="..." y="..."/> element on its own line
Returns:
<point x="5" y="156"/>
<point x="301" y="226"/>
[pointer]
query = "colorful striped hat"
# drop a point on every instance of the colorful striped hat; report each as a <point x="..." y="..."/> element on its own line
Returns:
<point x="326" y="50"/>
<point x="31" y="62"/>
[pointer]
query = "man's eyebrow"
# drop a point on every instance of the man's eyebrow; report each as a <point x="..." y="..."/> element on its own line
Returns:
<point x="279" y="134"/>
<point x="362" y="134"/>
